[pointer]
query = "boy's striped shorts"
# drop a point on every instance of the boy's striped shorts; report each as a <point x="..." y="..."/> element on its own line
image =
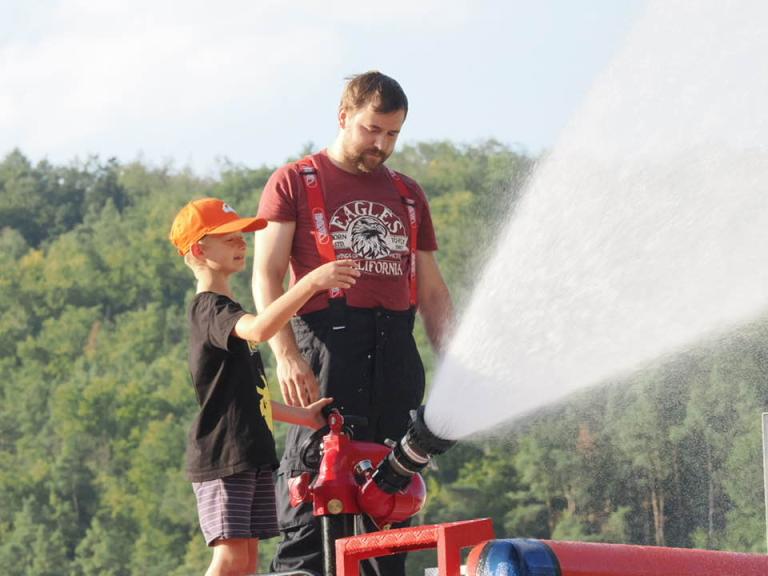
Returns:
<point x="238" y="506"/>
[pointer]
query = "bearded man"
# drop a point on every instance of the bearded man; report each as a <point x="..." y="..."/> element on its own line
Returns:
<point x="355" y="346"/>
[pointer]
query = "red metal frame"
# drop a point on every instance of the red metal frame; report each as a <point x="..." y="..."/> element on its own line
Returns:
<point x="448" y="538"/>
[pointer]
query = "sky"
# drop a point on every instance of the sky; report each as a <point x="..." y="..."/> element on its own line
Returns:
<point x="253" y="81"/>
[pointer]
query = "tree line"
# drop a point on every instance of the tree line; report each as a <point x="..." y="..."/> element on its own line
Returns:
<point x="95" y="398"/>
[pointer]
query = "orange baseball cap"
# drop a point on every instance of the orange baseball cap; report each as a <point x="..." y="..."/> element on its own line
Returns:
<point x="208" y="216"/>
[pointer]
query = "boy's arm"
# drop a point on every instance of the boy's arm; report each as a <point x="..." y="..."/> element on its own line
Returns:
<point x="273" y="317"/>
<point x="275" y="305"/>
<point x="311" y="416"/>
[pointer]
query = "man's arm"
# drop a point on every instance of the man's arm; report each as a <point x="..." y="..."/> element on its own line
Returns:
<point x="270" y="264"/>
<point x="435" y="305"/>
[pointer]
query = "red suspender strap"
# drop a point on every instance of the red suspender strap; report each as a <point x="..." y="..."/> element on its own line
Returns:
<point x="316" y="201"/>
<point x="410" y="204"/>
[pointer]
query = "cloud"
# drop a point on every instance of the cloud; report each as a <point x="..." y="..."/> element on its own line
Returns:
<point x="119" y="77"/>
<point x="255" y="80"/>
<point x="107" y="67"/>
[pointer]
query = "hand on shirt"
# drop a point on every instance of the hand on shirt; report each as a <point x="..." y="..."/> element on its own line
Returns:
<point x="337" y="274"/>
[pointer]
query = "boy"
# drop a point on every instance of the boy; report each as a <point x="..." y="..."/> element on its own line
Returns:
<point x="230" y="449"/>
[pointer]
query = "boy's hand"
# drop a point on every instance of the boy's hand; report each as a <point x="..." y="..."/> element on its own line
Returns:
<point x="338" y="274"/>
<point x="310" y="416"/>
<point x="315" y="417"/>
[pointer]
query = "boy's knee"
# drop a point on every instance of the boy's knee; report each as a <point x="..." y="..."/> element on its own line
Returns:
<point x="231" y="560"/>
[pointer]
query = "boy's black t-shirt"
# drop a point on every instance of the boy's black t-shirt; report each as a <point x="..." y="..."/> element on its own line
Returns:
<point x="232" y="432"/>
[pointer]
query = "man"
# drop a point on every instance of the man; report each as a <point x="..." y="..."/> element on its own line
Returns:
<point x="357" y="346"/>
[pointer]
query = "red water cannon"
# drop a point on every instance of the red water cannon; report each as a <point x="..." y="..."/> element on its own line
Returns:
<point x="363" y="478"/>
<point x="355" y="477"/>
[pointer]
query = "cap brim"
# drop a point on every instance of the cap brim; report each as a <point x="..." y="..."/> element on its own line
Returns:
<point x="240" y="225"/>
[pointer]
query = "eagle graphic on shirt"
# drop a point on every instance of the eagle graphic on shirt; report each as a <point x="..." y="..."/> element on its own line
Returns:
<point x="372" y="233"/>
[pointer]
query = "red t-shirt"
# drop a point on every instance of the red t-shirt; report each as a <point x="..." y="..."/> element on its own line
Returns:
<point x="368" y="223"/>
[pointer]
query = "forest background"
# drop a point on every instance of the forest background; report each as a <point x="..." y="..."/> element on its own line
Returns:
<point x="95" y="397"/>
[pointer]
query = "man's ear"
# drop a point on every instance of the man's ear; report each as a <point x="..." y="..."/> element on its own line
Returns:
<point x="342" y="117"/>
<point x="197" y="250"/>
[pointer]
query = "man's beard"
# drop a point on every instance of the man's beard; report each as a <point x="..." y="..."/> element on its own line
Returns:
<point x="370" y="159"/>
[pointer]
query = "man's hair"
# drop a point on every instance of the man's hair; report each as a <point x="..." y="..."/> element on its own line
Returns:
<point x="376" y="88"/>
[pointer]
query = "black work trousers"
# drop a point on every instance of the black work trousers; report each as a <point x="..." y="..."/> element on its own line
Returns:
<point x="367" y="361"/>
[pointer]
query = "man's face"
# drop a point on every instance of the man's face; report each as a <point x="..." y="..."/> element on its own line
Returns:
<point x="369" y="137"/>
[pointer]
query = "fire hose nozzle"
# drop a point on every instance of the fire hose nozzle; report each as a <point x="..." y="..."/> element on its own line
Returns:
<point x="424" y="437"/>
<point x="410" y="455"/>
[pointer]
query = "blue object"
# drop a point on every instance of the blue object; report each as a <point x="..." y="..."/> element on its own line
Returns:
<point x="517" y="557"/>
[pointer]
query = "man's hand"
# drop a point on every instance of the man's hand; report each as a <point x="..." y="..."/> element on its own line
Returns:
<point x="297" y="382"/>
<point x="270" y="264"/>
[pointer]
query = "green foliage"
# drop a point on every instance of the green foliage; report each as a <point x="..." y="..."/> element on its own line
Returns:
<point x="35" y="546"/>
<point x="45" y="201"/>
<point x="95" y="398"/>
